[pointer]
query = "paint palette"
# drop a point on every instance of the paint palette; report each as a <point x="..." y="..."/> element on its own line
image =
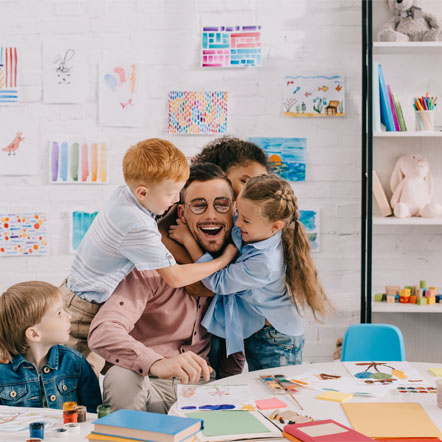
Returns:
<point x="272" y="384"/>
<point x="405" y="389"/>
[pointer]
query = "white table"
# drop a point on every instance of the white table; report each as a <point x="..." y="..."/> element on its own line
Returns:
<point x="320" y="409"/>
<point x="85" y="427"/>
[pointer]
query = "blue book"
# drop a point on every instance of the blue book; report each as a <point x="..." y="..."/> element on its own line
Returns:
<point x="386" y="114"/>
<point x="143" y="425"/>
<point x="376" y="99"/>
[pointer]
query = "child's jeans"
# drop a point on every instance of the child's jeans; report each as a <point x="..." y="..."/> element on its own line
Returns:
<point x="269" y="348"/>
<point x="224" y="366"/>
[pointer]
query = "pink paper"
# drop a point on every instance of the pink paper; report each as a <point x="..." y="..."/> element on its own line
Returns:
<point x="267" y="404"/>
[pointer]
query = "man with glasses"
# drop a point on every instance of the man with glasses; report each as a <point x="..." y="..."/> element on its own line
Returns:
<point x="152" y="333"/>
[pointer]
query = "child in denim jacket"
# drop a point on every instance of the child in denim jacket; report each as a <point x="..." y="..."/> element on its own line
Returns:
<point x="41" y="372"/>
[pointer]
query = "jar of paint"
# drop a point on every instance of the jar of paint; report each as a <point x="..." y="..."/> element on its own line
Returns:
<point x="37" y="430"/>
<point x="81" y="409"/>
<point x="70" y="413"/>
<point x="103" y="410"/>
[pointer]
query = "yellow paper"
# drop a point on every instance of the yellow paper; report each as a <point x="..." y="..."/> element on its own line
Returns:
<point x="390" y="420"/>
<point x="436" y="371"/>
<point x="335" y="396"/>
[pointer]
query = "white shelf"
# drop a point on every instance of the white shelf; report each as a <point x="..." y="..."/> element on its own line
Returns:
<point x="407" y="134"/>
<point x="383" y="47"/>
<point x="384" y="307"/>
<point x="413" y="221"/>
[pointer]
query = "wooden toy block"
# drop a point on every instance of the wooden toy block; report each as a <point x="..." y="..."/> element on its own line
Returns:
<point x="415" y="289"/>
<point x="430" y="293"/>
<point x="421" y="301"/>
<point x="405" y="292"/>
<point x="433" y="288"/>
<point x="396" y="298"/>
<point x="438" y="299"/>
<point x="378" y="297"/>
<point x="422" y="284"/>
<point x="431" y="299"/>
<point x="384" y="297"/>
<point x="390" y="299"/>
<point x="413" y="299"/>
<point x="392" y="289"/>
<point x="420" y="293"/>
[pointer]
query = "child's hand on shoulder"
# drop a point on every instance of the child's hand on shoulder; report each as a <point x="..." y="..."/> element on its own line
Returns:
<point x="180" y="232"/>
<point x="229" y="253"/>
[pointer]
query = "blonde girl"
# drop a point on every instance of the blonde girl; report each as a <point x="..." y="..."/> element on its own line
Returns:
<point x="273" y="276"/>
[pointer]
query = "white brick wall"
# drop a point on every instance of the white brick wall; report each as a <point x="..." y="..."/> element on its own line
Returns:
<point x="300" y="36"/>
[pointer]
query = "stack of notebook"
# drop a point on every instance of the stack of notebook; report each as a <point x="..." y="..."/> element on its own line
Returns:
<point x="139" y="426"/>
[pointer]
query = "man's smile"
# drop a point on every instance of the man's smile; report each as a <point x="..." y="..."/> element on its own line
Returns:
<point x="211" y="230"/>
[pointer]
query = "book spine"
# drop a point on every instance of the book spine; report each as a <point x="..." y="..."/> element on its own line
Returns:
<point x="376" y="99"/>
<point x="400" y="115"/>
<point x="393" y="109"/>
<point x="386" y="115"/>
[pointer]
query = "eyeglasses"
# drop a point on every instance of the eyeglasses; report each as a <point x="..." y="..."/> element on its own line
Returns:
<point x="199" y="205"/>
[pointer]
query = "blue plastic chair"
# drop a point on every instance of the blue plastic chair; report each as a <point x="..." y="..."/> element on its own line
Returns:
<point x="373" y="342"/>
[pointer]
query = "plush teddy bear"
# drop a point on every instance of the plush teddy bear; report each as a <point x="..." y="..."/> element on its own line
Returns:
<point x="409" y="23"/>
<point x="412" y="186"/>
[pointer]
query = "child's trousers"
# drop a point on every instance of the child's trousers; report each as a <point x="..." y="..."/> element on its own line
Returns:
<point x="82" y="313"/>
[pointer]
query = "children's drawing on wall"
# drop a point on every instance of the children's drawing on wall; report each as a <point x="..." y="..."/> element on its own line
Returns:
<point x="9" y="75"/>
<point x="314" y="96"/>
<point x="121" y="94"/>
<point x="310" y="221"/>
<point x="231" y="46"/>
<point x="80" y="223"/>
<point x="18" y="143"/>
<point x="198" y="112"/>
<point x="65" y="73"/>
<point x="286" y="156"/>
<point x="23" y="234"/>
<point x="79" y="162"/>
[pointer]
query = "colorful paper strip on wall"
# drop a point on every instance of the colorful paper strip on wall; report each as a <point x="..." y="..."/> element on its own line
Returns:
<point x="80" y="223"/>
<point x="65" y="78"/>
<point x="231" y="46"/>
<point x="78" y="162"/>
<point x="23" y="234"/>
<point x="18" y="142"/>
<point x="314" y="96"/>
<point x="310" y="221"/>
<point x="286" y="156"/>
<point x="9" y="75"/>
<point x="121" y="94"/>
<point x="198" y="112"/>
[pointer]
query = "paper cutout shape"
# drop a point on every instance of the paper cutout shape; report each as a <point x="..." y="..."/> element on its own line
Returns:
<point x="80" y="223"/>
<point x="198" y="112"/>
<point x="286" y="156"/>
<point x="65" y="71"/>
<point x="78" y="162"/>
<point x="121" y="91"/>
<point x="9" y="75"/>
<point x="335" y="396"/>
<point x="23" y="234"/>
<point x="314" y="96"/>
<point x="272" y="403"/>
<point x="231" y="46"/>
<point x="18" y="143"/>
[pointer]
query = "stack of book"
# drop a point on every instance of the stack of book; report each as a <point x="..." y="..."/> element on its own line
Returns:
<point x="386" y="106"/>
<point x="139" y="426"/>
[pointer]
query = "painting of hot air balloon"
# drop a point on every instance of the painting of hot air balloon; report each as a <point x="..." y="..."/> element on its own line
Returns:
<point x="18" y="142"/>
<point x="121" y="93"/>
<point x="65" y="77"/>
<point x="286" y="156"/>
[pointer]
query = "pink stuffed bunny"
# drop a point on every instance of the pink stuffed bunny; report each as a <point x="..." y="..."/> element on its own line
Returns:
<point x="412" y="186"/>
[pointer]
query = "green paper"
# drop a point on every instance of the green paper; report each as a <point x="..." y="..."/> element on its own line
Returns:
<point x="227" y="422"/>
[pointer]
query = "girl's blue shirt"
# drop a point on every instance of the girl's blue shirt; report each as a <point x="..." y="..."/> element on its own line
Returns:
<point x="257" y="291"/>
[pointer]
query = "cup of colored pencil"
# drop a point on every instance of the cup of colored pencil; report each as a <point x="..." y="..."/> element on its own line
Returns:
<point x="424" y="112"/>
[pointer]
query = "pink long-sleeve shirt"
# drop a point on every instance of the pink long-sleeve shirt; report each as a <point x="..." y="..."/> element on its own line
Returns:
<point x="146" y="320"/>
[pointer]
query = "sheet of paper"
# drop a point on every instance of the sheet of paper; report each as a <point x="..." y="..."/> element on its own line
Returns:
<point x="213" y="396"/>
<point x="14" y="419"/>
<point x="390" y="419"/>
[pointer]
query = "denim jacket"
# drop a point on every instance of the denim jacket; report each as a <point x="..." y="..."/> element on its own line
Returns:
<point x="67" y="376"/>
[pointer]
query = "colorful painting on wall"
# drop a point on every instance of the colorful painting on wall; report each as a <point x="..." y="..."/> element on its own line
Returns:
<point x="314" y="96"/>
<point x="9" y="75"/>
<point x="286" y="156"/>
<point x="23" y="234"/>
<point x="121" y="94"/>
<point x="18" y="143"/>
<point x="231" y="46"/>
<point x="80" y="223"/>
<point x="65" y="74"/>
<point x="310" y="221"/>
<point x="78" y="162"/>
<point x="198" y="112"/>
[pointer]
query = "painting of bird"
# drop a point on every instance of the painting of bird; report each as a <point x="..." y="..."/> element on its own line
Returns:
<point x="14" y="145"/>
